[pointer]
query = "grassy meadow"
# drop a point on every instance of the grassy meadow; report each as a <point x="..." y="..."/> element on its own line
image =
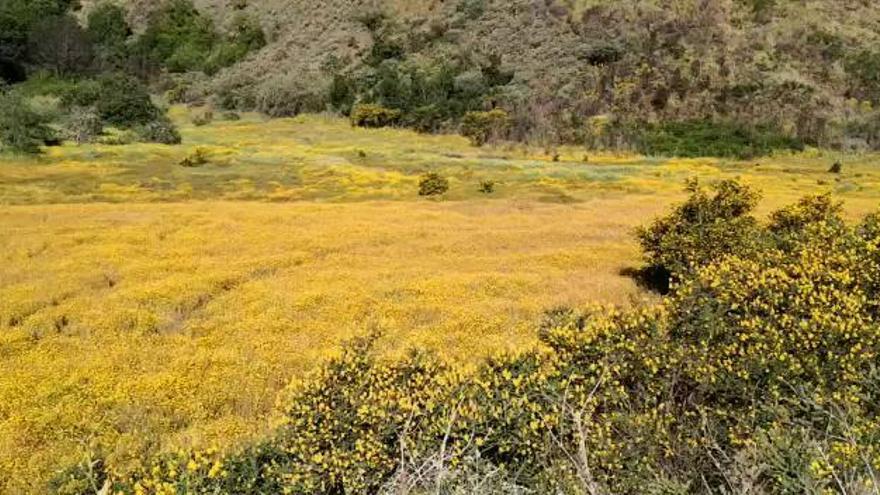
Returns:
<point x="147" y="306"/>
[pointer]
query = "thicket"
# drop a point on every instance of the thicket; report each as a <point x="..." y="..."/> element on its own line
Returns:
<point x="704" y="138"/>
<point x="22" y="130"/>
<point x="757" y="374"/>
<point x="179" y="38"/>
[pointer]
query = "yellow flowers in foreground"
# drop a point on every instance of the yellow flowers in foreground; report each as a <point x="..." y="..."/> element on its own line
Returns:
<point x="759" y="367"/>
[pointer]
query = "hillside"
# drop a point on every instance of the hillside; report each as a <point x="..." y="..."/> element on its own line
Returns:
<point x="807" y="68"/>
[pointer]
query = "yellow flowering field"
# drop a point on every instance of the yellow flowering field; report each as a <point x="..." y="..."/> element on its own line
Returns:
<point x="145" y="306"/>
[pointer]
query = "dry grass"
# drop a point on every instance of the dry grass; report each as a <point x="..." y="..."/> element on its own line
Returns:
<point x="141" y="317"/>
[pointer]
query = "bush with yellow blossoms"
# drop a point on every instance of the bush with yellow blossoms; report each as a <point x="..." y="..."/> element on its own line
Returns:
<point x="757" y="374"/>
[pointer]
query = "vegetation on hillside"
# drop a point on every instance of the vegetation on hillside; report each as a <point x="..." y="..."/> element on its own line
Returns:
<point x="734" y="78"/>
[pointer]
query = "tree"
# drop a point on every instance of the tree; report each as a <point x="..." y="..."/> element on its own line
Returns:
<point x="109" y="31"/>
<point x="125" y="101"/>
<point x="60" y="45"/>
<point x="18" y="18"/>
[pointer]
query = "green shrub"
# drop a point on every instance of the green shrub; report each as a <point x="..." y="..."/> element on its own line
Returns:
<point x="160" y="130"/>
<point x="22" y="130"/>
<point x="487" y="186"/>
<point x="181" y="39"/>
<point x="373" y="116"/>
<point x="123" y="101"/>
<point x="703" y="229"/>
<point x="231" y="116"/>
<point x="178" y="37"/>
<point x="284" y="96"/>
<point x="484" y="127"/>
<point x="702" y="138"/>
<point x="433" y="184"/>
<point x="84" y="93"/>
<point x="83" y="126"/>
<point x="197" y="158"/>
<point x="59" y="44"/>
<point x="109" y="31"/>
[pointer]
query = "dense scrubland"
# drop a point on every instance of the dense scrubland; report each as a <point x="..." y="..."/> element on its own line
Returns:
<point x="480" y="246"/>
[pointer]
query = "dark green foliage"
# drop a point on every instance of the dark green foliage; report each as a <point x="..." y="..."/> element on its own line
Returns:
<point x="60" y="45"/>
<point x="701" y="138"/>
<point x="865" y="70"/>
<point x="245" y="36"/>
<point x="230" y="116"/>
<point x="21" y="129"/>
<point x="701" y="230"/>
<point x="84" y="93"/>
<point x="109" y="31"/>
<point x="487" y="186"/>
<point x="17" y="21"/>
<point x="178" y="37"/>
<point x="836" y="168"/>
<point x="343" y="94"/>
<point x="433" y="184"/>
<point x="124" y="101"/>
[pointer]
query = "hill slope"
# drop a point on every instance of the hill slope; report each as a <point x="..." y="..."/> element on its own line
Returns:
<point x="808" y="68"/>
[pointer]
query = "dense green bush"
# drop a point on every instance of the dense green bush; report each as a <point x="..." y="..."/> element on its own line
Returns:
<point x="177" y="36"/>
<point x="120" y="100"/>
<point x="180" y="38"/>
<point x="160" y="130"/>
<point x="18" y="18"/>
<point x="702" y="138"/>
<point x="484" y="127"/>
<point x="109" y="31"/>
<point x="373" y="116"/>
<point x="433" y="184"/>
<point x="22" y="130"/>
<point x="124" y="101"/>
<point x="59" y="44"/>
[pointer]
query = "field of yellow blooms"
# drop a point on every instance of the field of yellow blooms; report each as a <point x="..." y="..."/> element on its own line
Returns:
<point x="146" y="306"/>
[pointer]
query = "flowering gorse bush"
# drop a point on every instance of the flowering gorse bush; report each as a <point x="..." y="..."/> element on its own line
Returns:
<point x="757" y="374"/>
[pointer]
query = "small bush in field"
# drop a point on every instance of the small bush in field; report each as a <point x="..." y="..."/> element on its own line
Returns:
<point x="374" y="116"/>
<point x="433" y="184"/>
<point x="197" y="158"/>
<point x="203" y="117"/>
<point x="161" y="131"/>
<point x="231" y="116"/>
<point x="836" y="168"/>
<point x="487" y="186"/>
